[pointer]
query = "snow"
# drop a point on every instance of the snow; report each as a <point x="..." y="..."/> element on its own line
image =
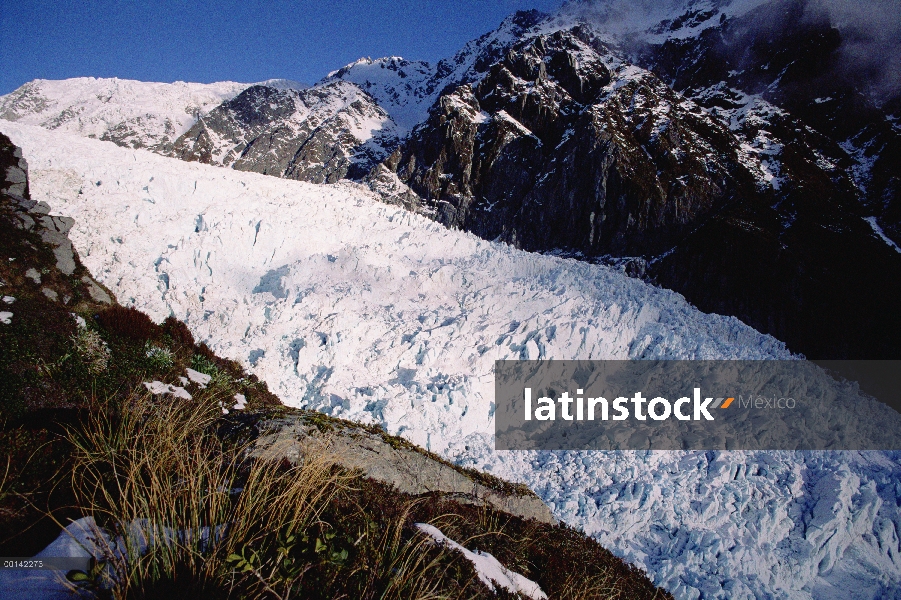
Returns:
<point x="653" y="21"/>
<point x="407" y="89"/>
<point x="239" y="403"/>
<point x="76" y="541"/>
<point x="142" y="113"/>
<point x="864" y="158"/>
<point x="368" y="312"/>
<point x="201" y="379"/>
<point x="490" y="571"/>
<point x="762" y="155"/>
<point x="503" y="115"/>
<point x="399" y="86"/>
<point x="158" y="388"/>
<point x="878" y="231"/>
<point x="9" y="299"/>
<point x="6" y="317"/>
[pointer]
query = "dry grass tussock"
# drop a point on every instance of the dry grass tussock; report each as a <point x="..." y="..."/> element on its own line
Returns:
<point x="175" y="501"/>
<point x="181" y="512"/>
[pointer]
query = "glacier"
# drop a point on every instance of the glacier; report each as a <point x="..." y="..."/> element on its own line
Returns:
<point x="365" y="311"/>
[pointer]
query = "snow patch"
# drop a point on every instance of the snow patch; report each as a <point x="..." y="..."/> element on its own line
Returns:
<point x="158" y="388"/>
<point x="201" y="379"/>
<point x="878" y="231"/>
<point x="490" y="571"/>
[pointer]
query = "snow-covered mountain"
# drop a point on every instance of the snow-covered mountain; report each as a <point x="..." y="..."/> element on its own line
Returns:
<point x="367" y="311"/>
<point x="130" y="113"/>
<point x="408" y="89"/>
<point x="321" y="134"/>
<point x="345" y="125"/>
<point x="705" y="145"/>
<point x="405" y="89"/>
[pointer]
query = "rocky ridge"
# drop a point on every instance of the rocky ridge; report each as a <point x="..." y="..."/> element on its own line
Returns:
<point x="320" y="134"/>
<point x="343" y="126"/>
<point x="394" y="461"/>
<point x="69" y="280"/>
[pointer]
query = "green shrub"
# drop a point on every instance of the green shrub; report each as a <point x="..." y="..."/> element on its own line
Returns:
<point x="159" y="358"/>
<point x="204" y="365"/>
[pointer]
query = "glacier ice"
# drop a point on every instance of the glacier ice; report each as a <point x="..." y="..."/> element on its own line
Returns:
<point x="369" y="312"/>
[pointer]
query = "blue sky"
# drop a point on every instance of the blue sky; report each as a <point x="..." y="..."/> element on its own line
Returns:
<point x="169" y="40"/>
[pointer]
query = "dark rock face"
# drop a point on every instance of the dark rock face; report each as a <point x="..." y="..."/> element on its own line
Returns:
<point x="790" y="54"/>
<point x="823" y="280"/>
<point x="744" y="208"/>
<point x="807" y="270"/>
<point x="319" y="134"/>
<point x="33" y="216"/>
<point x="552" y="150"/>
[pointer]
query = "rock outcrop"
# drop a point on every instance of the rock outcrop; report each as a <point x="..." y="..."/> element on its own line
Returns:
<point x="33" y="217"/>
<point x="553" y="150"/>
<point x="394" y="461"/>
